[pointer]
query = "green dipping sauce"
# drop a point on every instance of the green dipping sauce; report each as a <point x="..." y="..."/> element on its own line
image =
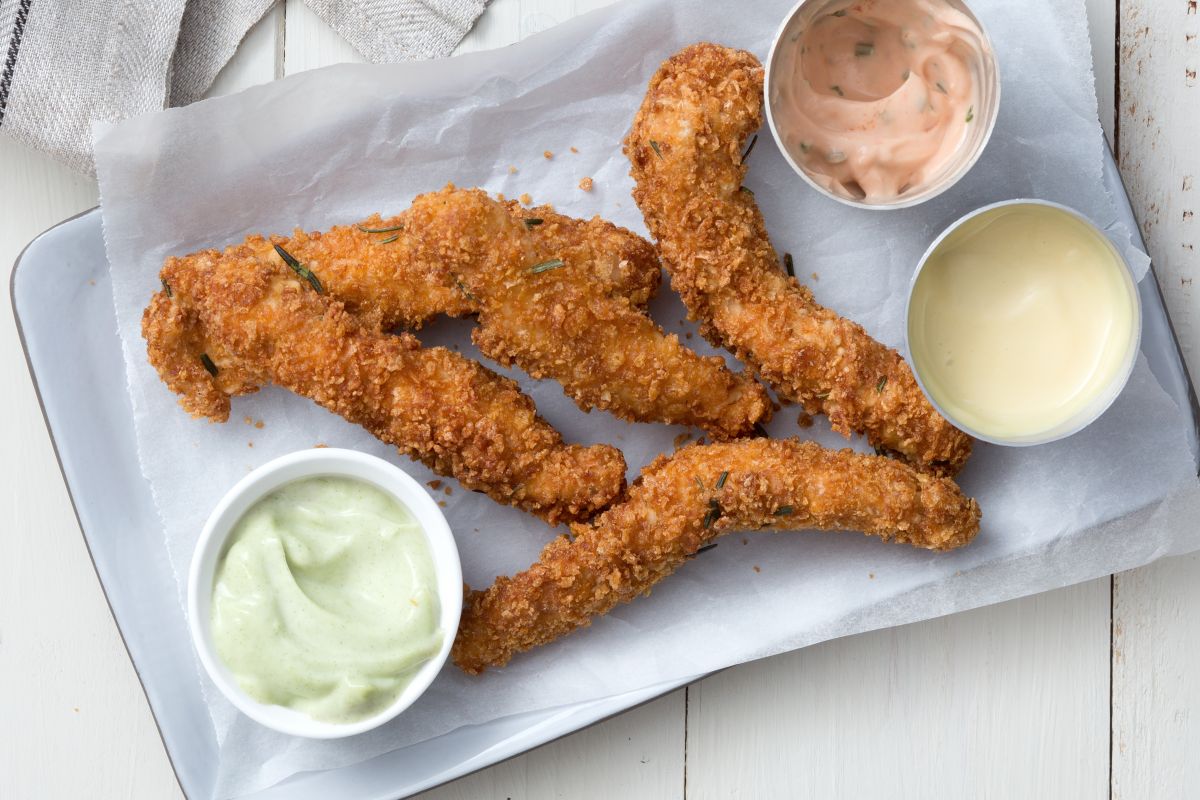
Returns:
<point x="325" y="600"/>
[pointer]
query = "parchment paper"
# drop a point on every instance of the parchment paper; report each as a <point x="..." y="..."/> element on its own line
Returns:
<point x="333" y="145"/>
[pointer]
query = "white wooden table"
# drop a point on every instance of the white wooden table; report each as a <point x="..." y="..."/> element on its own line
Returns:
<point x="1085" y="692"/>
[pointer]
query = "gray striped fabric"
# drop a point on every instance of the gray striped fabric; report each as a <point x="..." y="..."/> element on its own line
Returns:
<point x="65" y="63"/>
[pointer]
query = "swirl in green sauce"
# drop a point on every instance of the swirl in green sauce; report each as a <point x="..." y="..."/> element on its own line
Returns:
<point x="325" y="600"/>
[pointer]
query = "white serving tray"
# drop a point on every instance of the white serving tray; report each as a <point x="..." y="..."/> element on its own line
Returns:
<point x="62" y="301"/>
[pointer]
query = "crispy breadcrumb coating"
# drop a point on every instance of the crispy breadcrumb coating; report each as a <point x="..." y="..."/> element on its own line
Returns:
<point x="534" y="313"/>
<point x="685" y="148"/>
<point x="571" y="322"/>
<point x="684" y="501"/>
<point x="258" y="322"/>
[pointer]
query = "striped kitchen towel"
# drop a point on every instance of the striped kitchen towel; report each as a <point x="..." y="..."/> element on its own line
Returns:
<point x="65" y="63"/>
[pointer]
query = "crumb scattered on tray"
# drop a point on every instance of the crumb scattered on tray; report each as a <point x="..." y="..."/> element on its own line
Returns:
<point x="249" y="444"/>
<point x="448" y="491"/>
<point x="548" y="155"/>
<point x="525" y="199"/>
<point x="512" y="170"/>
<point x="319" y="445"/>
<point x="442" y="503"/>
<point x="757" y="568"/>
<point x="681" y="438"/>
<point x="434" y="484"/>
<point x="586" y="184"/>
<point x="816" y="277"/>
<point x="574" y="150"/>
<point x="871" y="575"/>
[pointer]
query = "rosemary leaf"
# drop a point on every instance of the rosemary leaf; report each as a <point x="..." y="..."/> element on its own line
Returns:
<point x="706" y="548"/>
<point x="784" y="511"/>
<point x="380" y="230"/>
<point x="789" y="265"/>
<point x="941" y="87"/>
<point x="714" y="514"/>
<point x="747" y="191"/>
<point x="654" y="144"/>
<point x="970" y="113"/>
<point x="721" y="480"/>
<point x="301" y="270"/>
<point x="838" y="89"/>
<point x="531" y="221"/>
<point x="864" y="49"/>
<point x="208" y="364"/>
<point x="545" y="266"/>
<point x="841" y="13"/>
<point x="750" y="149"/>
<point x="882" y="383"/>
<point x="389" y="239"/>
<point x="465" y="292"/>
<point x="167" y="288"/>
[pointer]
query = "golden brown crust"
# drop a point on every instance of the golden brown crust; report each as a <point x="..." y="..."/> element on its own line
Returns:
<point x="260" y="324"/>
<point x="605" y="352"/>
<point x="460" y="252"/>
<point x="701" y="106"/>
<point x="684" y="501"/>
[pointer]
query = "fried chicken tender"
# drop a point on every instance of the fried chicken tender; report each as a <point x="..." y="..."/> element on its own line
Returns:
<point x="259" y="322"/>
<point x="533" y="312"/>
<point x="685" y="148"/>
<point x="556" y="296"/>
<point x="683" y="502"/>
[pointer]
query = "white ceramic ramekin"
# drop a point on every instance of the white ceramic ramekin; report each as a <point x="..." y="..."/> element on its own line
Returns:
<point x="269" y="477"/>
<point x="980" y="134"/>
<point x="1103" y="400"/>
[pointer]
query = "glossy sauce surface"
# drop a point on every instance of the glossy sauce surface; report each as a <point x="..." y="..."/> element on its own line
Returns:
<point x="326" y="599"/>
<point x="873" y="99"/>
<point x="1021" y="319"/>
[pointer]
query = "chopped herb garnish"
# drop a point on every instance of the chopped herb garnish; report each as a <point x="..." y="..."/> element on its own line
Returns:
<point x="714" y="513"/>
<point x="299" y="269"/>
<point x="789" y="265"/>
<point x="531" y="221"/>
<point x="699" y="483"/>
<point x="381" y="230"/>
<point x="841" y="13"/>
<point x="805" y="147"/>
<point x="941" y="87"/>
<point x="706" y="548"/>
<point x="208" y="364"/>
<point x="864" y="49"/>
<point x="747" y="191"/>
<point x="824" y="395"/>
<point x="970" y="113"/>
<point x="553" y="263"/>
<point x="389" y="239"/>
<point x="907" y="72"/>
<point x="721" y="480"/>
<point x="882" y="383"/>
<point x="838" y="89"/>
<point x="784" y="511"/>
<point x="654" y="145"/>
<point x="750" y="149"/>
<point x="465" y="292"/>
<point x="167" y="288"/>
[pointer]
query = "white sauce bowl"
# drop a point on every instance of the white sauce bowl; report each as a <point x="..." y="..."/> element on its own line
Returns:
<point x="980" y="133"/>
<point x="1103" y="399"/>
<point x="212" y="545"/>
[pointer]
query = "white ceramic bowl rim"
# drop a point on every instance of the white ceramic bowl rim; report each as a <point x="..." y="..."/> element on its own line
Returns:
<point x="1104" y="400"/>
<point x="988" y="115"/>
<point x="270" y="476"/>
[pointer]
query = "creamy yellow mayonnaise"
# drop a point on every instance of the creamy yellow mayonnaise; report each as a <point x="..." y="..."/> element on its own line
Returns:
<point x="874" y="99"/>
<point x="1022" y="318"/>
<point x="326" y="599"/>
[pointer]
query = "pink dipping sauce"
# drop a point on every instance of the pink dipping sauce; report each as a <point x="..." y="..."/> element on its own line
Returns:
<point x="874" y="98"/>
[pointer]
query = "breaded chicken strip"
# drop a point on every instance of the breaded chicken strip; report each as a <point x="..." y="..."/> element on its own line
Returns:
<point x="373" y="269"/>
<point x="534" y="312"/>
<point x="685" y="148"/>
<point x="550" y="295"/>
<point x="684" y="501"/>
<point x="261" y="322"/>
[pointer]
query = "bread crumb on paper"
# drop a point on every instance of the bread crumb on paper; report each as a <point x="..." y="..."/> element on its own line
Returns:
<point x="434" y="484"/>
<point x="757" y="568"/>
<point x="574" y="150"/>
<point x="548" y="155"/>
<point x="586" y="184"/>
